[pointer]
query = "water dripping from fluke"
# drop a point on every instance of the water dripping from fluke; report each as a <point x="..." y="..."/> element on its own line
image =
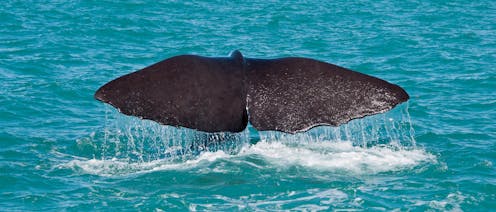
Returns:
<point x="379" y="143"/>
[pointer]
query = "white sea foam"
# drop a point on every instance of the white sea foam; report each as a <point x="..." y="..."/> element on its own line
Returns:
<point x="452" y="202"/>
<point x="325" y="197"/>
<point x="341" y="156"/>
<point x="318" y="200"/>
<point x="116" y="167"/>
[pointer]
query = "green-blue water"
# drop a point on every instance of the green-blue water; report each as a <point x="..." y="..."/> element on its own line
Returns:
<point x="61" y="149"/>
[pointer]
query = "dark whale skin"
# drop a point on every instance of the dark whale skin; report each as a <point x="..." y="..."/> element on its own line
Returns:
<point x="221" y="94"/>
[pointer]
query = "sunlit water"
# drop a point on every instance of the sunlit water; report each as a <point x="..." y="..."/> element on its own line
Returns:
<point x="61" y="149"/>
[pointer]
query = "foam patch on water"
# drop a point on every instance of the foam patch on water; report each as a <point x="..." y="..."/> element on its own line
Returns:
<point x="116" y="167"/>
<point x="340" y="156"/>
<point x="317" y="200"/>
<point x="452" y="202"/>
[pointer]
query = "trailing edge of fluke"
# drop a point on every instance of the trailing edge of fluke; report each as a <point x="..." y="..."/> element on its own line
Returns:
<point x="216" y="94"/>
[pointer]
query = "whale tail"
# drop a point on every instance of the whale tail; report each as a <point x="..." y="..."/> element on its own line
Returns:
<point x="215" y="94"/>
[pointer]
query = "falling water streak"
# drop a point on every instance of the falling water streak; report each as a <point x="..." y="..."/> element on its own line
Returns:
<point x="392" y="129"/>
<point x="134" y="140"/>
<point x="131" y="139"/>
<point x="106" y="133"/>
<point x="337" y="134"/>
<point x="386" y="129"/>
<point x="362" y="132"/>
<point x="409" y="121"/>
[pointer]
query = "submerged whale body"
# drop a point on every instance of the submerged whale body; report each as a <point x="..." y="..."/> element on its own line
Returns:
<point x="216" y="94"/>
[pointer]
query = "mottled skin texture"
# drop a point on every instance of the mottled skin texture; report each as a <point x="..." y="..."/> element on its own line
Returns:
<point x="214" y="94"/>
<point x="296" y="94"/>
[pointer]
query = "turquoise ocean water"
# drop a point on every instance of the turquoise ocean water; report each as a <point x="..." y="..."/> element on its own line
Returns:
<point x="62" y="150"/>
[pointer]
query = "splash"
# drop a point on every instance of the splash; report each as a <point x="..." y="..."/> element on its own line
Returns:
<point x="340" y="156"/>
<point x="392" y="129"/>
<point x="371" y="145"/>
<point x="135" y="140"/>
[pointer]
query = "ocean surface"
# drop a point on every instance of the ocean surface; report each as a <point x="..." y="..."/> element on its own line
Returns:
<point x="60" y="149"/>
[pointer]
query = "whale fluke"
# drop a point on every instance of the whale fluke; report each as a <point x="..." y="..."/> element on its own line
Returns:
<point x="217" y="94"/>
